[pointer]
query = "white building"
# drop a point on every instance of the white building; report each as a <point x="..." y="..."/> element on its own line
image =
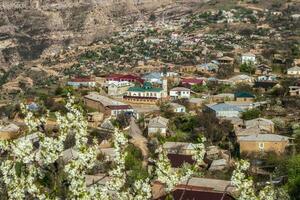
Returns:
<point x="180" y="93"/>
<point x="158" y="125"/>
<point x="294" y="71"/>
<point x="82" y="82"/>
<point x="248" y="58"/>
<point x="118" y="88"/>
<point x="177" y="108"/>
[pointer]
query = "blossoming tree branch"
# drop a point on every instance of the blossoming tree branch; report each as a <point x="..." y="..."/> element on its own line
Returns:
<point x="31" y="171"/>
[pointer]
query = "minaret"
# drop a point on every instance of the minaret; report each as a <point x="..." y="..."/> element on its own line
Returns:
<point x="165" y="88"/>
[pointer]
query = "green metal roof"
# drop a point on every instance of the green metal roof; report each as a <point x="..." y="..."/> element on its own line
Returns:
<point x="244" y="95"/>
<point x="142" y="89"/>
<point x="147" y="87"/>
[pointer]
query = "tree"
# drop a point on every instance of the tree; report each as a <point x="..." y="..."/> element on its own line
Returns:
<point x="247" y="68"/>
<point x="293" y="168"/>
<point x="31" y="172"/>
<point x="251" y="114"/>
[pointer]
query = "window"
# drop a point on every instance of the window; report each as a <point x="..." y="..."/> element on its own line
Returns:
<point x="261" y="145"/>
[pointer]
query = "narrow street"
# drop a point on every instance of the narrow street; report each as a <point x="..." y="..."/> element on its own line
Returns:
<point x="138" y="140"/>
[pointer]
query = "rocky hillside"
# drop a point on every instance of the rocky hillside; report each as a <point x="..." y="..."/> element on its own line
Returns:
<point x="33" y="28"/>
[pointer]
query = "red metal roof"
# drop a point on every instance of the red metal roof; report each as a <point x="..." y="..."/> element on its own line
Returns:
<point x="124" y="77"/>
<point x="189" y="194"/>
<point x="119" y="107"/>
<point x="177" y="160"/>
<point x="192" y="81"/>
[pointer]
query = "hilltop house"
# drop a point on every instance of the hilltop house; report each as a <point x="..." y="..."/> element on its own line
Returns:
<point x="118" y="88"/>
<point x="180" y="93"/>
<point x="106" y="105"/>
<point x="261" y="143"/>
<point x="244" y="97"/>
<point x="147" y="93"/>
<point x="158" y="125"/>
<point x="294" y="71"/>
<point x="223" y="110"/>
<point x="248" y="58"/>
<point x="82" y="82"/>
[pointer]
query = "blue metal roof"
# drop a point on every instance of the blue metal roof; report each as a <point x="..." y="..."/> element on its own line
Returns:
<point x="225" y="107"/>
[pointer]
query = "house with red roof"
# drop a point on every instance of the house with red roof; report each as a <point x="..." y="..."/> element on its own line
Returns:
<point x="188" y="82"/>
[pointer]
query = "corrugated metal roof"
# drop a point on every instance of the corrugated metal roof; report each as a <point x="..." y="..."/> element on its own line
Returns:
<point x="265" y="137"/>
<point x="224" y="107"/>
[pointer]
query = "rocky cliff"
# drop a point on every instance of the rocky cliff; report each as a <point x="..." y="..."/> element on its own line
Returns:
<point x="30" y="29"/>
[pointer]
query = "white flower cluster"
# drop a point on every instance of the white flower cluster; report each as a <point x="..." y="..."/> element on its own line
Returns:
<point x="246" y="189"/>
<point x="26" y="165"/>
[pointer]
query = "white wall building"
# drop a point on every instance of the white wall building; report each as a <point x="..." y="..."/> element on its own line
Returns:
<point x="248" y="58"/>
<point x="294" y="71"/>
<point x="180" y="93"/>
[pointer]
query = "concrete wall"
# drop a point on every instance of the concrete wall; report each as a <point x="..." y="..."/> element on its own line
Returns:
<point x="253" y="147"/>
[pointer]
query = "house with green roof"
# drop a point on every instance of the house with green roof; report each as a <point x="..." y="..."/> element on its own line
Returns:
<point x="145" y="94"/>
<point x="244" y="97"/>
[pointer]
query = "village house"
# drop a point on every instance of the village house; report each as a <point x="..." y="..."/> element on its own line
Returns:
<point x="244" y="132"/>
<point x="226" y="60"/>
<point x="223" y="110"/>
<point x="244" y="97"/>
<point x="158" y="125"/>
<point x="262" y="124"/>
<point x="263" y="69"/>
<point x="179" y="148"/>
<point x="208" y="68"/>
<point x="222" y="97"/>
<point x="95" y="118"/>
<point x="153" y="78"/>
<point x="108" y="106"/>
<point x="9" y="131"/>
<point x="196" y="102"/>
<point x="248" y="58"/>
<point x="188" y="82"/>
<point x="147" y="93"/>
<point x="263" y="143"/>
<point x="265" y="86"/>
<point x="294" y="90"/>
<point x="148" y="68"/>
<point x="242" y="78"/>
<point x="294" y="71"/>
<point x="113" y="78"/>
<point x="267" y="78"/>
<point x="118" y="88"/>
<point x="180" y="93"/>
<point x="177" y="108"/>
<point x="187" y="69"/>
<point x="82" y="82"/>
<point x="197" y="188"/>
